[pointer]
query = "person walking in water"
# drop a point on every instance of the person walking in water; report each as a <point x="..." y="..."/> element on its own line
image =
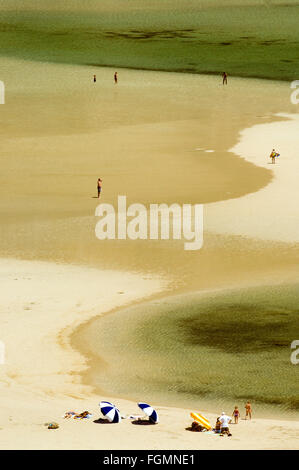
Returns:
<point x="115" y="78"/>
<point x="224" y="78"/>
<point x="99" y="187"/>
<point x="94" y="78"/>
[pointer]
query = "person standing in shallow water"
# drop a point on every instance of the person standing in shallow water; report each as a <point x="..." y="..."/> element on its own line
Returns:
<point x="99" y="185"/>
<point x="115" y="78"/>
<point x="94" y="78"/>
<point x="224" y="78"/>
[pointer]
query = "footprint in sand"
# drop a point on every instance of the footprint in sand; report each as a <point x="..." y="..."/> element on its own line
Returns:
<point x="28" y="306"/>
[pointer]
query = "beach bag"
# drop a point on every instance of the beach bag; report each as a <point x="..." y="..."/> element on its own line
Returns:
<point x="52" y="425"/>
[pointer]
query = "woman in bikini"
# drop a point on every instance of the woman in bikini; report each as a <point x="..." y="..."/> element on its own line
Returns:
<point x="236" y="414"/>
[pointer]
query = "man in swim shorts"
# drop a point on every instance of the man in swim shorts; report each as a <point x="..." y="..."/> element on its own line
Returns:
<point x="248" y="410"/>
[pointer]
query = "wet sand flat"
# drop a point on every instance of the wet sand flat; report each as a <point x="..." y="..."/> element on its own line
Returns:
<point x="149" y="138"/>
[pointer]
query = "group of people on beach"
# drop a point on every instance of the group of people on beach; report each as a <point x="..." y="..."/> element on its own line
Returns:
<point x="221" y="426"/>
<point x="115" y="77"/>
<point x="222" y="423"/>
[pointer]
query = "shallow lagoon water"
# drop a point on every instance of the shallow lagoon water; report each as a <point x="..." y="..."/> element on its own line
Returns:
<point x="248" y="39"/>
<point x="202" y="350"/>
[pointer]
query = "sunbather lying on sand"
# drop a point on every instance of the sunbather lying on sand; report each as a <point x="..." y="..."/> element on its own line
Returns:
<point x="195" y="427"/>
<point x="83" y="415"/>
<point x="69" y="414"/>
<point x="72" y="414"/>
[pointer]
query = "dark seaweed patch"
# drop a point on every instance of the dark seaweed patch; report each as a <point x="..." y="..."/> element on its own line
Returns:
<point x="239" y="328"/>
<point x="143" y="35"/>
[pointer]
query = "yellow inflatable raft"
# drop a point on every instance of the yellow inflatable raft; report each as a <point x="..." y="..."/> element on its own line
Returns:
<point x="201" y="420"/>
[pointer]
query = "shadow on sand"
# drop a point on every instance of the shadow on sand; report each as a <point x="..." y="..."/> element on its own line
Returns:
<point x="102" y="421"/>
<point x="143" y="422"/>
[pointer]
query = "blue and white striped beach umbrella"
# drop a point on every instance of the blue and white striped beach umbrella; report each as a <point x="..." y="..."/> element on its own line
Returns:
<point x="110" y="412"/>
<point x="150" y="412"/>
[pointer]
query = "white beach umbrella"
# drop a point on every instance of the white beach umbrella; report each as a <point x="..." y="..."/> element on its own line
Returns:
<point x="110" y="412"/>
<point x="150" y="412"/>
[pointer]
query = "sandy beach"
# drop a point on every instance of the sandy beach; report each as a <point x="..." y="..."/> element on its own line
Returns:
<point x="40" y="380"/>
<point x="59" y="133"/>
<point x="273" y="200"/>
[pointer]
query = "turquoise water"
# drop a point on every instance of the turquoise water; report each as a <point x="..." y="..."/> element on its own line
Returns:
<point x="201" y="349"/>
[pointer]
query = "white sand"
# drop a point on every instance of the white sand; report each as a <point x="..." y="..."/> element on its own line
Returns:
<point x="23" y="428"/>
<point x="38" y="301"/>
<point x="39" y="380"/>
<point x="273" y="212"/>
